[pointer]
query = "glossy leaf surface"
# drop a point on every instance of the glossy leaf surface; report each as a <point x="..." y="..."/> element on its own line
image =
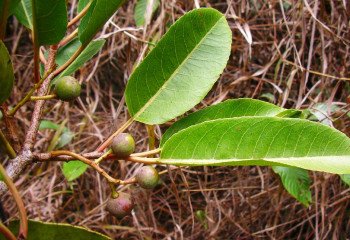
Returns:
<point x="260" y="141"/>
<point x="181" y="69"/>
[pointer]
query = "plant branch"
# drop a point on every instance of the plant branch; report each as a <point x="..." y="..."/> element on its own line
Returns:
<point x="68" y="38"/>
<point x="6" y="232"/>
<point x="7" y="145"/>
<point x="46" y="97"/>
<point x="80" y="15"/>
<point x="92" y="164"/>
<point x="29" y="95"/>
<point x="22" y="211"/>
<point x="18" y="164"/>
<point x="142" y="160"/>
<point x="70" y="60"/>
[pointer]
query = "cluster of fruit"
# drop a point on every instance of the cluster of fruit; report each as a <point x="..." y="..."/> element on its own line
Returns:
<point x="67" y="89"/>
<point x="147" y="177"/>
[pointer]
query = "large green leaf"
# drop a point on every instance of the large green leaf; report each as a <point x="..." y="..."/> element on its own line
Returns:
<point x="56" y="231"/>
<point x="23" y="13"/>
<point x="141" y="10"/>
<point x="98" y="14"/>
<point x="296" y="181"/>
<point x="49" y="20"/>
<point x="345" y="178"/>
<point x="74" y="169"/>
<point x="260" y="141"/>
<point x="228" y="109"/>
<point x="6" y="73"/>
<point x="93" y="48"/>
<point x="181" y="69"/>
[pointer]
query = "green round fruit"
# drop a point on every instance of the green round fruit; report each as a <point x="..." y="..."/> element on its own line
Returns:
<point x="147" y="177"/>
<point x="120" y="206"/>
<point x="67" y="88"/>
<point x="123" y="145"/>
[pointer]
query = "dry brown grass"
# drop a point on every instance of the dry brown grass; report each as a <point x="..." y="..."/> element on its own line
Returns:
<point x="297" y="54"/>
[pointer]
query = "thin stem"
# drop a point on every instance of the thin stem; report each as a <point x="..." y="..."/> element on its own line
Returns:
<point x="86" y="161"/>
<point x="143" y="160"/>
<point x="80" y="15"/>
<point x="23" y="230"/>
<point x="68" y="38"/>
<point x="11" y="152"/>
<point x="29" y="94"/>
<point x="105" y="144"/>
<point x="147" y="153"/>
<point x="70" y="60"/>
<point x="45" y="97"/>
<point x="98" y="160"/>
<point x="151" y="137"/>
<point x="6" y="232"/>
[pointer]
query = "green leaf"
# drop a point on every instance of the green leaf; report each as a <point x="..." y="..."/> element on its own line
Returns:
<point x="141" y="10"/>
<point x="228" y="109"/>
<point x="66" y="52"/>
<point x="82" y="4"/>
<point x="23" y="13"/>
<point x="64" y="138"/>
<point x="98" y="14"/>
<point x="6" y="73"/>
<point x="345" y="178"/>
<point x="74" y="169"/>
<point x="296" y="181"/>
<point x="49" y="21"/>
<point x="181" y="69"/>
<point x="56" y="231"/>
<point x="93" y="48"/>
<point x="260" y="141"/>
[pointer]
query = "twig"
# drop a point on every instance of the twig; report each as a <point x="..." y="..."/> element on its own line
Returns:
<point x="7" y="145"/>
<point x="68" y="38"/>
<point x="86" y="161"/>
<point x="80" y="15"/>
<point x="46" y="97"/>
<point x="22" y="211"/>
<point x="143" y="160"/>
<point x="29" y="94"/>
<point x="6" y="232"/>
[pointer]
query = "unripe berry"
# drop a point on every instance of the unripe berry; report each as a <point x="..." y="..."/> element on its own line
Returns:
<point x="123" y="145"/>
<point x="147" y="177"/>
<point x="67" y="88"/>
<point x="120" y="206"/>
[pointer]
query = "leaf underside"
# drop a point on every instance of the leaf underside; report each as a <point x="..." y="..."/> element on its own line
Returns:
<point x="56" y="231"/>
<point x="296" y="181"/>
<point x="260" y="141"/>
<point x="181" y="69"/>
<point x="228" y="109"/>
<point x="141" y="10"/>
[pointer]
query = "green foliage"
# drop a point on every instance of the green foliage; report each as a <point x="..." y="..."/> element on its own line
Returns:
<point x="296" y="181"/>
<point x="11" y="8"/>
<point x="49" y="21"/>
<point x="23" y="13"/>
<point x="141" y="8"/>
<point x="181" y="69"/>
<point x="6" y="73"/>
<point x="63" y="139"/>
<point x="56" y="231"/>
<point x="82" y="4"/>
<point x="345" y="178"/>
<point x="260" y="141"/>
<point x="73" y="169"/>
<point x="90" y="51"/>
<point x="228" y="109"/>
<point x="98" y="14"/>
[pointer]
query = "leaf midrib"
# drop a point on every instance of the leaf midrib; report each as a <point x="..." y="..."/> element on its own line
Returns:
<point x="151" y="100"/>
